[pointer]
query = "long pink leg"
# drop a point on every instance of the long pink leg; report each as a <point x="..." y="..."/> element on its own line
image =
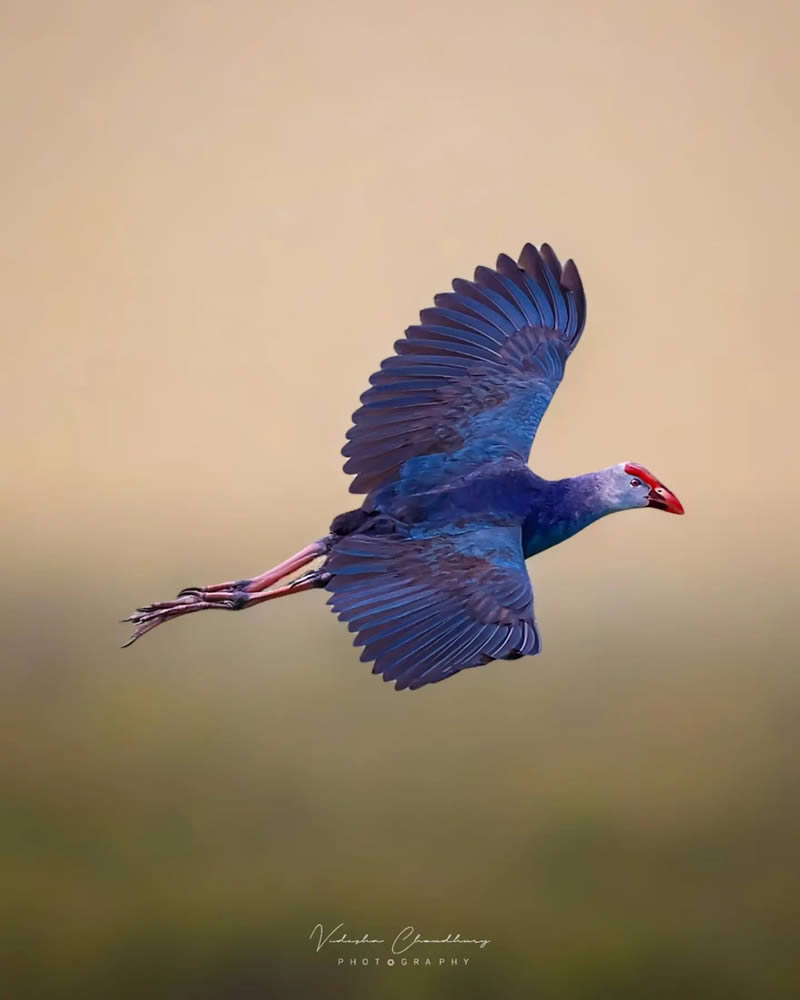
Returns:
<point x="266" y="579"/>
<point x="234" y="595"/>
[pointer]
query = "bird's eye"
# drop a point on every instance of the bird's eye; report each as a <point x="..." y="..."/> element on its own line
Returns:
<point x="636" y="482"/>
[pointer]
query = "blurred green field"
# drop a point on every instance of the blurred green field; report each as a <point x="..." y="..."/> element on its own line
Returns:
<point x="178" y="817"/>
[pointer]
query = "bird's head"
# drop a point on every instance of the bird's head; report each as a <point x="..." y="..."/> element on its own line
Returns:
<point x="631" y="485"/>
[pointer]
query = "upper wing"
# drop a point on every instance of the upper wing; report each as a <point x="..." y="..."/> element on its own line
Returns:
<point x="471" y="383"/>
<point x="425" y="608"/>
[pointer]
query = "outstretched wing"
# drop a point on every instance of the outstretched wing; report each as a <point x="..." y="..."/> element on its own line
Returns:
<point x="426" y="608"/>
<point x="470" y="384"/>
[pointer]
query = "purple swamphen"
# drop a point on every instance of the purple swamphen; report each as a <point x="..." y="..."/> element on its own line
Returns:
<point x="430" y="570"/>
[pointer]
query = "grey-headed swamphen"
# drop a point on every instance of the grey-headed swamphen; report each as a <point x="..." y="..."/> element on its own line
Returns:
<point x="430" y="570"/>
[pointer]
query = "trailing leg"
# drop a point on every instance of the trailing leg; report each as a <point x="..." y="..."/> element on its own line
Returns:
<point x="235" y="595"/>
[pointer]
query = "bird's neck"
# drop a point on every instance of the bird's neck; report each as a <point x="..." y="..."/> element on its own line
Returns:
<point x="562" y="508"/>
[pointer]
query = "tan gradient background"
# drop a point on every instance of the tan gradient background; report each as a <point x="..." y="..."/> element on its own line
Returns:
<point x="216" y="219"/>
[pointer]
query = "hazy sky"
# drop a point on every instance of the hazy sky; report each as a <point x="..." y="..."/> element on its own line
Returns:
<point x="218" y="217"/>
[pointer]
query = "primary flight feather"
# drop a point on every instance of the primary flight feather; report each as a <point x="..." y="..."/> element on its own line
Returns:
<point x="430" y="570"/>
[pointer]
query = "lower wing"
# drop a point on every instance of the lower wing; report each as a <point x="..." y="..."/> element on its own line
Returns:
<point x="426" y="608"/>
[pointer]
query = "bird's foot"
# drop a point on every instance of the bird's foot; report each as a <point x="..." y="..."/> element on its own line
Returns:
<point x="148" y="617"/>
<point x="233" y="595"/>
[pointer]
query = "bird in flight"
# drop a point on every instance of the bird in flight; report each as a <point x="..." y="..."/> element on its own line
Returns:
<point x="430" y="571"/>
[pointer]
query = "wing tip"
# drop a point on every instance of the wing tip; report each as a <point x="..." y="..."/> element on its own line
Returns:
<point x="567" y="277"/>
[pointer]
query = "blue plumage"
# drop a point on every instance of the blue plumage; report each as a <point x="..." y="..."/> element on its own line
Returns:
<point x="430" y="571"/>
<point x="471" y="383"/>
<point x="440" y="444"/>
<point x="427" y="607"/>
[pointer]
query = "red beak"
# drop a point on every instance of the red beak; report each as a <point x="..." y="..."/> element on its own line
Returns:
<point x="664" y="499"/>
<point x="659" y="496"/>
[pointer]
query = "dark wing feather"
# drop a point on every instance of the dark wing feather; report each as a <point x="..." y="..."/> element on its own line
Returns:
<point x="469" y="384"/>
<point x="426" y="608"/>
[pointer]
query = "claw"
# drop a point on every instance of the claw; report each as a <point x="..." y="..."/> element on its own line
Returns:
<point x="143" y="629"/>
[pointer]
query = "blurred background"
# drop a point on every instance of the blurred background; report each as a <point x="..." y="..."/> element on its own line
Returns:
<point x="216" y="220"/>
